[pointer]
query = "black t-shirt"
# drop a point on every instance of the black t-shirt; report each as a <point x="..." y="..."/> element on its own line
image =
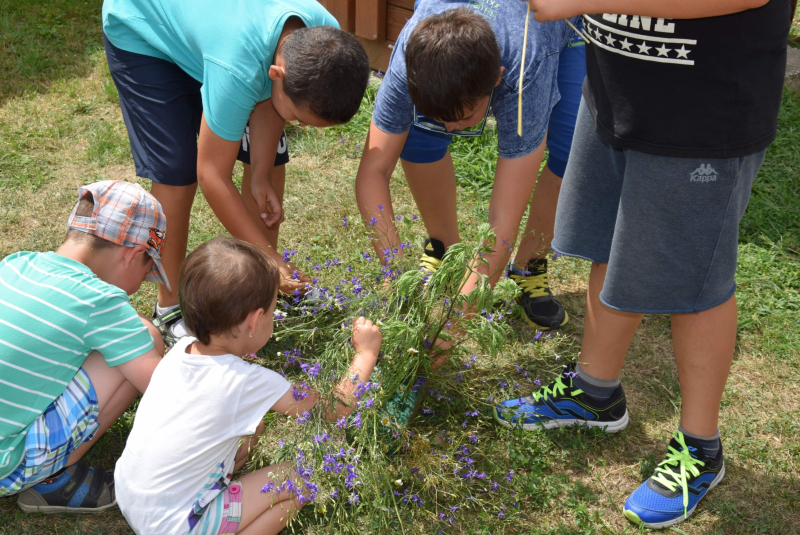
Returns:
<point x="705" y="88"/>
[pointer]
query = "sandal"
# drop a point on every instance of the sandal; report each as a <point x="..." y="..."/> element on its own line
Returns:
<point x="165" y="323"/>
<point x="78" y="489"/>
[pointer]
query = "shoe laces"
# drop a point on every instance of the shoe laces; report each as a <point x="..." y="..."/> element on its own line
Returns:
<point x="672" y="471"/>
<point x="555" y="389"/>
<point x="536" y="285"/>
<point x="429" y="263"/>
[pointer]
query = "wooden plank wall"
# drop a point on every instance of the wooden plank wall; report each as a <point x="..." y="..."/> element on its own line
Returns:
<point x="376" y="23"/>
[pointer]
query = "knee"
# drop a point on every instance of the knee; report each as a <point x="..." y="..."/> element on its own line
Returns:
<point x="158" y="340"/>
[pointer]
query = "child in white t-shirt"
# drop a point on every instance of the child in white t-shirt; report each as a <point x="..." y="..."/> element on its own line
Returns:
<point x="174" y="476"/>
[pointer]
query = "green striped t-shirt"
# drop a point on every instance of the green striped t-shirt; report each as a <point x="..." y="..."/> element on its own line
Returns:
<point x="53" y="312"/>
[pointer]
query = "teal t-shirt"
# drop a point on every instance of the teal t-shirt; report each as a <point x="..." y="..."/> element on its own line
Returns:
<point x="228" y="46"/>
<point x="53" y="312"/>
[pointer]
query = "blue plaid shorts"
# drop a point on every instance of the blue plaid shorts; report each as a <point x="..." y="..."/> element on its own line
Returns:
<point x="68" y="422"/>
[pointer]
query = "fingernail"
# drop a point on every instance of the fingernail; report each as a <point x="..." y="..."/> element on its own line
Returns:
<point x="263" y="216"/>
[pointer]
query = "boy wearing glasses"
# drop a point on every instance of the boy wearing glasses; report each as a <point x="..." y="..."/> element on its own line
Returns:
<point x="453" y="61"/>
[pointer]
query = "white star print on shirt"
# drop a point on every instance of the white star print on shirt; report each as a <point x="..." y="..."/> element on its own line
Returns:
<point x="663" y="51"/>
<point x="643" y="48"/>
<point x="626" y="45"/>
<point x="610" y="40"/>
<point x="682" y="52"/>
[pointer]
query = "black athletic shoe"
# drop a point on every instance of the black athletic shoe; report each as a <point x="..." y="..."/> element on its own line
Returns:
<point x="432" y="254"/>
<point x="541" y="309"/>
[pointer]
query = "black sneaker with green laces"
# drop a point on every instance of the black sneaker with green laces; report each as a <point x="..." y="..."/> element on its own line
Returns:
<point x="542" y="311"/>
<point x="432" y="254"/>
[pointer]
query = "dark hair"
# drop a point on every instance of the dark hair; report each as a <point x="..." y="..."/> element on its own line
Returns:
<point x="327" y="71"/>
<point x="95" y="243"/>
<point x="223" y="281"/>
<point x="452" y="60"/>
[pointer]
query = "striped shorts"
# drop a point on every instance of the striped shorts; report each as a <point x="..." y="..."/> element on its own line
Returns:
<point x="223" y="514"/>
<point x="69" y="421"/>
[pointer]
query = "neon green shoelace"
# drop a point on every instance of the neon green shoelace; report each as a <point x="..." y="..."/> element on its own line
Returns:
<point x="684" y="462"/>
<point x="535" y="285"/>
<point x="429" y="263"/>
<point x="557" y="388"/>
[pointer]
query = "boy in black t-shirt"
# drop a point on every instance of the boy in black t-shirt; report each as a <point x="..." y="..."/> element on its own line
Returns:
<point x="680" y="104"/>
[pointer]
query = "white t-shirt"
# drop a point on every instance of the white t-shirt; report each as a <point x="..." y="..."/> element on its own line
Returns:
<point x="181" y="450"/>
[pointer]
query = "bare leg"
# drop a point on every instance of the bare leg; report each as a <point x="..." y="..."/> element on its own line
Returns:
<point x="114" y="393"/>
<point x="433" y="186"/>
<point x="278" y="180"/>
<point x="704" y="345"/>
<point x="243" y="453"/>
<point x="266" y="513"/>
<point x="538" y="235"/>
<point x="607" y="333"/>
<point x="176" y="201"/>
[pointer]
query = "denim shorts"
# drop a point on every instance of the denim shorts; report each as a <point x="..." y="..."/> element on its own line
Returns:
<point x="69" y="421"/>
<point x="162" y="108"/>
<point x="423" y="146"/>
<point x="667" y="227"/>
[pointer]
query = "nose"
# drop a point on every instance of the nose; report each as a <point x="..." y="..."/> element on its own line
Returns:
<point x="452" y="126"/>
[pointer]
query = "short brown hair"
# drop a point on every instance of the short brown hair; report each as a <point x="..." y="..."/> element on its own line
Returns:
<point x="327" y="72"/>
<point x="223" y="281"/>
<point x="96" y="243"/>
<point x="452" y="61"/>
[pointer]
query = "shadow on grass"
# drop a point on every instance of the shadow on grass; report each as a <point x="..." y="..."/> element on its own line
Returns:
<point x="44" y="41"/>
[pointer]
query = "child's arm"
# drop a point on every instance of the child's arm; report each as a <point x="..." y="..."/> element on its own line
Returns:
<point x="215" y="159"/>
<point x="671" y="9"/>
<point x="266" y="127"/>
<point x="367" y="343"/>
<point x="381" y="152"/>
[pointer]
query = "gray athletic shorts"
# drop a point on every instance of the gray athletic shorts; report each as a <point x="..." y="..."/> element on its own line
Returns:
<point x="667" y="227"/>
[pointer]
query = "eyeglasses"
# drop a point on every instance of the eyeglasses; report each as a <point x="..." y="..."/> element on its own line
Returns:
<point x="440" y="128"/>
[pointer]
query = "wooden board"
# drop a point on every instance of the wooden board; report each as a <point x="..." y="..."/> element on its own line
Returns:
<point x="396" y="18"/>
<point x="344" y="11"/>
<point x="378" y="52"/>
<point x="405" y="4"/>
<point x="371" y="19"/>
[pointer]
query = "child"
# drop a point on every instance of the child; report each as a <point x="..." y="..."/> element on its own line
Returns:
<point x="73" y="352"/>
<point x="676" y="118"/>
<point x="208" y="68"/>
<point x="175" y="473"/>
<point x="454" y="60"/>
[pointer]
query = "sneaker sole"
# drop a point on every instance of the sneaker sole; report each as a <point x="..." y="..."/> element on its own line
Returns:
<point x="633" y="517"/>
<point x="553" y="326"/>
<point x="52" y="509"/>
<point x="608" y="427"/>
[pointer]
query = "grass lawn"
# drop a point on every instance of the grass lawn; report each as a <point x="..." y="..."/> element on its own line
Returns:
<point x="60" y="127"/>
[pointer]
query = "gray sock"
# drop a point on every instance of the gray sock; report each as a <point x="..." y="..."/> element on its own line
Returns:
<point x="710" y="445"/>
<point x="597" y="388"/>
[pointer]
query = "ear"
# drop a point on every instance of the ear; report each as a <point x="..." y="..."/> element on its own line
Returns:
<point x="251" y="321"/>
<point x="130" y="255"/>
<point x="277" y="72"/>
<point x="500" y="76"/>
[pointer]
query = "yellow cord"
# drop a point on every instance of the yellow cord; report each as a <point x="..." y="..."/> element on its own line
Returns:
<point x="522" y="72"/>
<point x="574" y="28"/>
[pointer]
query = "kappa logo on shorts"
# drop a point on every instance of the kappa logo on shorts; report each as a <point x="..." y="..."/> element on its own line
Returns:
<point x="704" y="173"/>
<point x="246" y="138"/>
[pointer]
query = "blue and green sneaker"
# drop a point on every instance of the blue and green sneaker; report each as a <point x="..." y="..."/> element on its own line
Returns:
<point x="560" y="404"/>
<point x="678" y="484"/>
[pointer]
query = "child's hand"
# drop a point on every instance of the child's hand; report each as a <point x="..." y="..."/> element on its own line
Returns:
<point x="366" y="337"/>
<point x="269" y="204"/>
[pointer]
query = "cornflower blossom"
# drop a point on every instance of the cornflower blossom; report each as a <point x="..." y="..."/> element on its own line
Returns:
<point x="268" y="487"/>
<point x="473" y="438"/>
<point x="538" y="382"/>
<point x="380" y="207"/>
<point x="320" y="439"/>
<point x="510" y="476"/>
<point x="300" y="392"/>
<point x="357" y="423"/>
<point x="344" y="219"/>
<point x="311" y="370"/>
<point x="427" y="411"/>
<point x="372" y="221"/>
<point x="303" y="418"/>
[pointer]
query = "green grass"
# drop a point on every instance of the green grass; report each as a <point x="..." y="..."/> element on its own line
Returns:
<point x="60" y="127"/>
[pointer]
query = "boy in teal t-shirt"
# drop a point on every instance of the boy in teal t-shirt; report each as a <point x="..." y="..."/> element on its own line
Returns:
<point x="232" y="73"/>
<point x="73" y="352"/>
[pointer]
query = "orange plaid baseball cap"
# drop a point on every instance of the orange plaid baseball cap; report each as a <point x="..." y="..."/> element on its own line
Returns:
<point x="125" y="214"/>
